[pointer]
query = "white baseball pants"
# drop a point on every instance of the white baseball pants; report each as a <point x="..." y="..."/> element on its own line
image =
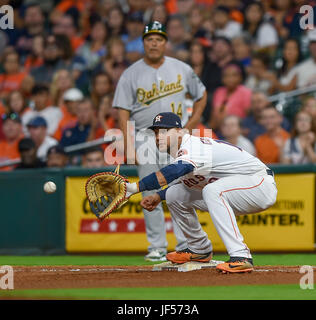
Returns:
<point x="223" y="199"/>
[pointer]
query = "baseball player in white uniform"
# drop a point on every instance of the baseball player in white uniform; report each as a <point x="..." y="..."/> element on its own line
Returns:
<point x="210" y="175"/>
<point x="154" y="84"/>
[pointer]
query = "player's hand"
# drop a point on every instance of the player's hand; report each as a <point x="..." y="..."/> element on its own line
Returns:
<point x="151" y="202"/>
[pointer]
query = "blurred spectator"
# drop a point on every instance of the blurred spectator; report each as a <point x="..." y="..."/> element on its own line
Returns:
<point x="66" y="25"/>
<point x="13" y="77"/>
<point x="34" y="25"/>
<point x="231" y="131"/>
<point x="287" y="17"/>
<point x="260" y="78"/>
<point x="42" y="107"/>
<point x="235" y="7"/>
<point x="93" y="158"/>
<point x="306" y="70"/>
<point x="64" y="6"/>
<point x="263" y="33"/>
<point x="269" y="145"/>
<point x="223" y="25"/>
<point x="251" y="125"/>
<point x="221" y="55"/>
<point x="81" y="47"/>
<point x="195" y="21"/>
<point x="116" y="21"/>
<point x="282" y="14"/>
<point x="17" y="103"/>
<point x="80" y="132"/>
<point x="286" y="78"/>
<point x="242" y="50"/>
<point x="159" y="13"/>
<point x="182" y="7"/>
<point x="95" y="48"/>
<point x="29" y="160"/>
<point x="37" y="128"/>
<point x="301" y="147"/>
<point x="62" y="81"/>
<point x="3" y="109"/>
<point x="309" y="106"/>
<point x="12" y="130"/>
<point x="35" y="57"/>
<point x="3" y="41"/>
<point x="133" y="38"/>
<point x="107" y="117"/>
<point x="232" y="98"/>
<point x="177" y="45"/>
<point x="56" y="157"/>
<point x="52" y="62"/>
<point x="71" y="100"/>
<point x="101" y="86"/>
<point x="115" y="62"/>
<point x="74" y="63"/>
<point x="198" y="60"/>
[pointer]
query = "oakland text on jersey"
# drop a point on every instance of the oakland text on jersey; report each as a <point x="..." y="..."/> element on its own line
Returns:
<point x="164" y="89"/>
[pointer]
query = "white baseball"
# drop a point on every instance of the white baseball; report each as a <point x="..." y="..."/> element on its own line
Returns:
<point x="50" y="187"/>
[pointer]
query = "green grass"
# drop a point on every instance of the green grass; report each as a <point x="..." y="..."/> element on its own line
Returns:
<point x="111" y="260"/>
<point x="256" y="292"/>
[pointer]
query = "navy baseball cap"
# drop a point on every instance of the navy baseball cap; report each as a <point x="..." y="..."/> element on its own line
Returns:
<point x="56" y="149"/>
<point x="26" y="144"/>
<point x="37" y="122"/>
<point x="135" y="17"/>
<point x="166" y="120"/>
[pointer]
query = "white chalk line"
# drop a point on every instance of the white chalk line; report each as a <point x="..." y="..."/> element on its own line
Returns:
<point x="84" y="270"/>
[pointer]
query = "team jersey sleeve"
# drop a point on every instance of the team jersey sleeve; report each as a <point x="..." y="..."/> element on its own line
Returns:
<point x="194" y="85"/>
<point x="123" y="97"/>
<point x="196" y="151"/>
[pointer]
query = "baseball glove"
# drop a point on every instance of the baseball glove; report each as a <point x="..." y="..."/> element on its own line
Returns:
<point x="106" y="192"/>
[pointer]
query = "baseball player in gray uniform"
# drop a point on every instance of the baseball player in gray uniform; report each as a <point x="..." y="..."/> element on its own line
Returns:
<point x="151" y="85"/>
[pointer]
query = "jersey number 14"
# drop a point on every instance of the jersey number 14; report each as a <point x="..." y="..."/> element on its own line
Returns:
<point x="178" y="112"/>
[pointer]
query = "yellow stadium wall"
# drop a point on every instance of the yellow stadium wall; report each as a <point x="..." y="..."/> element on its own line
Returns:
<point x="287" y="226"/>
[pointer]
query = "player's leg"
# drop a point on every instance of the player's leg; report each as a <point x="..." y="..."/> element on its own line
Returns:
<point x="181" y="203"/>
<point x="154" y="223"/>
<point x="235" y="195"/>
<point x="154" y="220"/>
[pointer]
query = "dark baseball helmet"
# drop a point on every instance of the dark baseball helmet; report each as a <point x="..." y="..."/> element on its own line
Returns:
<point x="155" y="27"/>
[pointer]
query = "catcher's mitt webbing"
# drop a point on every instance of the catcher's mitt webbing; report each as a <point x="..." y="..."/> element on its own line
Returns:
<point x="106" y="192"/>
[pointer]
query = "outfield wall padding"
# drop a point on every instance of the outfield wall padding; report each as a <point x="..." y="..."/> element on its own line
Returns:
<point x="34" y="223"/>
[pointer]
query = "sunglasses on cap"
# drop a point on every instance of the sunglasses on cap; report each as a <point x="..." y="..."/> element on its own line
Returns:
<point x="12" y="116"/>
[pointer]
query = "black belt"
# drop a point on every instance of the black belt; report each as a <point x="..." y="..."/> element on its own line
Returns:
<point x="270" y="172"/>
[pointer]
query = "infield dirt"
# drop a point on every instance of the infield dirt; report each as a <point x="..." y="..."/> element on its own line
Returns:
<point x="42" y="277"/>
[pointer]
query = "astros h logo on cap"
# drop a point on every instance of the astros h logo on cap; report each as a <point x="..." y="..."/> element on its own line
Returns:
<point x="166" y="120"/>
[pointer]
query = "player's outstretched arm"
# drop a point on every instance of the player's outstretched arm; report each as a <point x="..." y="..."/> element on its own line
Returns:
<point x="158" y="179"/>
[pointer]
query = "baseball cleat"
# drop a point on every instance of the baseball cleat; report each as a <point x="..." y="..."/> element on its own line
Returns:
<point x="156" y="255"/>
<point x="187" y="255"/>
<point x="236" y="265"/>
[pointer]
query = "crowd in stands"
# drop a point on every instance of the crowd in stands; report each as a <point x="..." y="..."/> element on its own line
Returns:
<point x="60" y="64"/>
